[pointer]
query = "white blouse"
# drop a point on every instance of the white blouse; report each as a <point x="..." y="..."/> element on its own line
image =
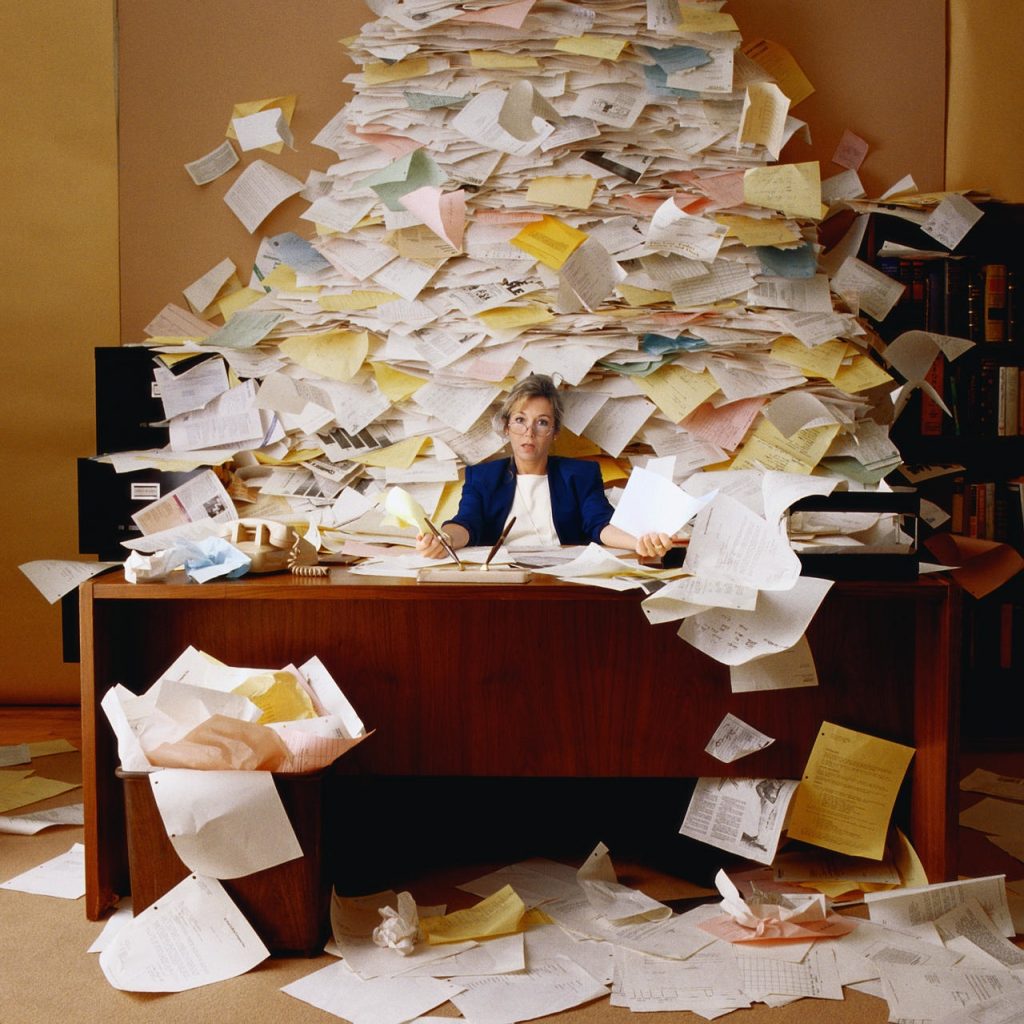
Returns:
<point x="534" y="526"/>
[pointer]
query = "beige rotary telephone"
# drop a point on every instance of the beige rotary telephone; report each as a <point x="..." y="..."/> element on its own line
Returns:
<point x="270" y="546"/>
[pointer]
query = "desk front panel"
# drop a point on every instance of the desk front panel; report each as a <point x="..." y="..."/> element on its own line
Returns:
<point x="524" y="681"/>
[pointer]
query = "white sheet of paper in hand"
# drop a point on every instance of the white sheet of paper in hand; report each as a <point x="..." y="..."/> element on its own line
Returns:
<point x="194" y="935"/>
<point x="224" y="824"/>
<point x="651" y="503"/>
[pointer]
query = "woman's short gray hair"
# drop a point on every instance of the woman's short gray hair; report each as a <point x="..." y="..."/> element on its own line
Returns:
<point x="537" y="385"/>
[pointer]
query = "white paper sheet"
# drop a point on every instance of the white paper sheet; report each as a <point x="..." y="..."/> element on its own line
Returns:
<point x="224" y="824"/>
<point x="193" y="935"/>
<point x="62" y="876"/>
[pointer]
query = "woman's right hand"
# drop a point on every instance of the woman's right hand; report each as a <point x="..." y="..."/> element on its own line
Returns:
<point x="429" y="546"/>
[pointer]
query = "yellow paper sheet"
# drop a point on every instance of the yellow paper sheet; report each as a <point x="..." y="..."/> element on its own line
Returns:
<point x="282" y="279"/>
<point x="823" y="360"/>
<point x="576" y="191"/>
<point x="768" y="448"/>
<point x="612" y="471"/>
<point x="862" y="373"/>
<point x="292" y="458"/>
<point x="695" y="18"/>
<point x="550" y="241"/>
<point x="396" y="385"/>
<point x="279" y="696"/>
<point x="642" y="296"/>
<point x="758" y="231"/>
<point x="494" y="59"/>
<point x="354" y="301"/>
<point x="908" y="864"/>
<point x="400" y="455"/>
<point x="676" y="390"/>
<point x="448" y="503"/>
<point x="504" y="318"/>
<point x="382" y="73"/>
<point x="792" y="189"/>
<point x="781" y="65"/>
<point x="286" y="104"/>
<point x="42" y="748"/>
<point x="847" y="792"/>
<point x="499" y="914"/>
<point x="337" y="355"/>
<point x="764" y="116"/>
<point x="27" y="789"/>
<point x="236" y="301"/>
<point x="572" y="446"/>
<point x="602" y="47"/>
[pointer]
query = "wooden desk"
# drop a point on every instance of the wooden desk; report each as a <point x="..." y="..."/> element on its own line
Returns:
<point x="543" y="679"/>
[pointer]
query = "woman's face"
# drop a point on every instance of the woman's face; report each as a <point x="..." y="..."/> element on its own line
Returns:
<point x="531" y="431"/>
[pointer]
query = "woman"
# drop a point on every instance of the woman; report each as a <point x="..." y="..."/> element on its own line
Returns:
<point x="554" y="500"/>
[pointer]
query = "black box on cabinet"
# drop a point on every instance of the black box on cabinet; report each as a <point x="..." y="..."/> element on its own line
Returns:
<point x="127" y="401"/>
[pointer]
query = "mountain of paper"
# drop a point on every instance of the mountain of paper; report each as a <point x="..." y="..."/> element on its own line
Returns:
<point x="587" y="190"/>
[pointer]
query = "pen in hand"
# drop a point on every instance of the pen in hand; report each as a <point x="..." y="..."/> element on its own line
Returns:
<point x="443" y="542"/>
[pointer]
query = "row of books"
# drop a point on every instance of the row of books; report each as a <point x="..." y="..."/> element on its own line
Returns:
<point x="990" y="509"/>
<point x="983" y="397"/>
<point x="960" y="296"/>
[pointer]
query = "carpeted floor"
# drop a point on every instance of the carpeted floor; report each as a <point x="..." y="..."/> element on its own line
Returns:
<point x="48" y="976"/>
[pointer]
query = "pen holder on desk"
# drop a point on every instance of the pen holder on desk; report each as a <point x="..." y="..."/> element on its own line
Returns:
<point x="895" y="557"/>
<point x="472" y="574"/>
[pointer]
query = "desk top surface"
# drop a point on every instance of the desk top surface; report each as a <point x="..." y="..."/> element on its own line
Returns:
<point x="344" y="585"/>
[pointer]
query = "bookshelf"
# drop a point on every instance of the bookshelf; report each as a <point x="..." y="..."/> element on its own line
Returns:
<point x="972" y="293"/>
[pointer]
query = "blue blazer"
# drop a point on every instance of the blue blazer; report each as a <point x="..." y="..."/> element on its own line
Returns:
<point x="579" y="507"/>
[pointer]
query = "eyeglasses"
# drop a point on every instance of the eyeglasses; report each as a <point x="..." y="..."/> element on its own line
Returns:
<point x="541" y="427"/>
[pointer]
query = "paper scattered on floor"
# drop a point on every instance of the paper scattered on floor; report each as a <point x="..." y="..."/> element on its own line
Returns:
<point x="905" y="909"/>
<point x="17" y="753"/>
<point x="338" y="990"/>
<point x="121" y="916"/>
<point x="36" y="821"/>
<point x="62" y="876"/>
<point x="983" y="781"/>
<point x="42" y="748"/>
<point x="20" y="787"/>
<point x="194" y="935"/>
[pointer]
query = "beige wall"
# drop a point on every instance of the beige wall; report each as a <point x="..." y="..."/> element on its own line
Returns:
<point x="58" y="166"/>
<point x="985" y="142"/>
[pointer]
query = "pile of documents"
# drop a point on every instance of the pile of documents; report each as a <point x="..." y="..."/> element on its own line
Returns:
<point x="588" y="191"/>
<point x="592" y="192"/>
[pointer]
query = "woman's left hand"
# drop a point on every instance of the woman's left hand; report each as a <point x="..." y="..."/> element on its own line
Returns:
<point x="653" y="545"/>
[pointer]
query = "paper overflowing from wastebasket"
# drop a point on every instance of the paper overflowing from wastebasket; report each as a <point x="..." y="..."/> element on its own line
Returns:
<point x="224" y="824"/>
<point x="206" y="715"/>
